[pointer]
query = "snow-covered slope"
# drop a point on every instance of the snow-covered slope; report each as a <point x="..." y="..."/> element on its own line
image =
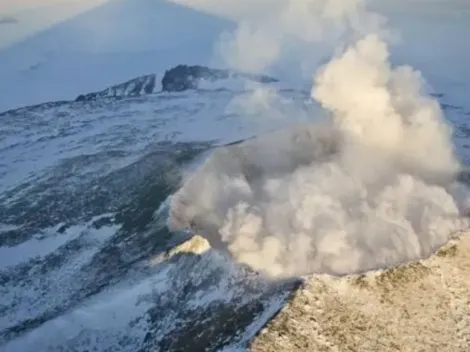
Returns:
<point x="419" y="306"/>
<point x="83" y="233"/>
<point x="178" y="79"/>
<point x="87" y="261"/>
<point x="115" y="42"/>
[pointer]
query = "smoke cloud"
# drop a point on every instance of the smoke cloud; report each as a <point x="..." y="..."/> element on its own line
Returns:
<point x="373" y="186"/>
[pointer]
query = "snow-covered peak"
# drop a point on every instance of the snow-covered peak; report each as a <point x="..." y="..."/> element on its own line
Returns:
<point x="125" y="25"/>
<point x="114" y="42"/>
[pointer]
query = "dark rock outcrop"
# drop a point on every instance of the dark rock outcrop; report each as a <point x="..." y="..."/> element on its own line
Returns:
<point x="183" y="77"/>
<point x="177" y="79"/>
<point x="132" y="88"/>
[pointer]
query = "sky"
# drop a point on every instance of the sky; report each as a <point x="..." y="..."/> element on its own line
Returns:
<point x="20" y="19"/>
<point x="18" y="6"/>
<point x="243" y="8"/>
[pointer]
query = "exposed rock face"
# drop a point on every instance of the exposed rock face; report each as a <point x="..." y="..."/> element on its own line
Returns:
<point x="134" y="87"/>
<point x="420" y="306"/>
<point x="177" y="79"/>
<point x="183" y="77"/>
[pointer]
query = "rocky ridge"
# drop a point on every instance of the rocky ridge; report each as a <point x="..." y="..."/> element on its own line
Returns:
<point x="184" y="77"/>
<point x="418" y="306"/>
<point x="177" y="79"/>
<point x="134" y="87"/>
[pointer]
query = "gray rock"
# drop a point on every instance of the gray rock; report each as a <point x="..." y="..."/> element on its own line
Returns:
<point x="183" y="77"/>
<point x="132" y="88"/>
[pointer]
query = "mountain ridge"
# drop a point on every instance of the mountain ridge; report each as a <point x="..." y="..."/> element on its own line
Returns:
<point x="176" y="79"/>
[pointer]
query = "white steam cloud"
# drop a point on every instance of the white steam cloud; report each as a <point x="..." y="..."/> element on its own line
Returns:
<point x="372" y="188"/>
<point x="284" y="33"/>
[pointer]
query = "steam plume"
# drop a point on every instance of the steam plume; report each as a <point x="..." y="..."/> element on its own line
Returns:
<point x="372" y="188"/>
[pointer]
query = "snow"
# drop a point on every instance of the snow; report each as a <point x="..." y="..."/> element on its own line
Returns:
<point x="7" y="228"/>
<point x="30" y="143"/>
<point x="114" y="310"/>
<point x="46" y="242"/>
<point x="273" y="306"/>
<point x="422" y="305"/>
<point x="110" y="44"/>
<point x="45" y="291"/>
<point x="33" y="151"/>
<point x="11" y="256"/>
<point x="117" y="318"/>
